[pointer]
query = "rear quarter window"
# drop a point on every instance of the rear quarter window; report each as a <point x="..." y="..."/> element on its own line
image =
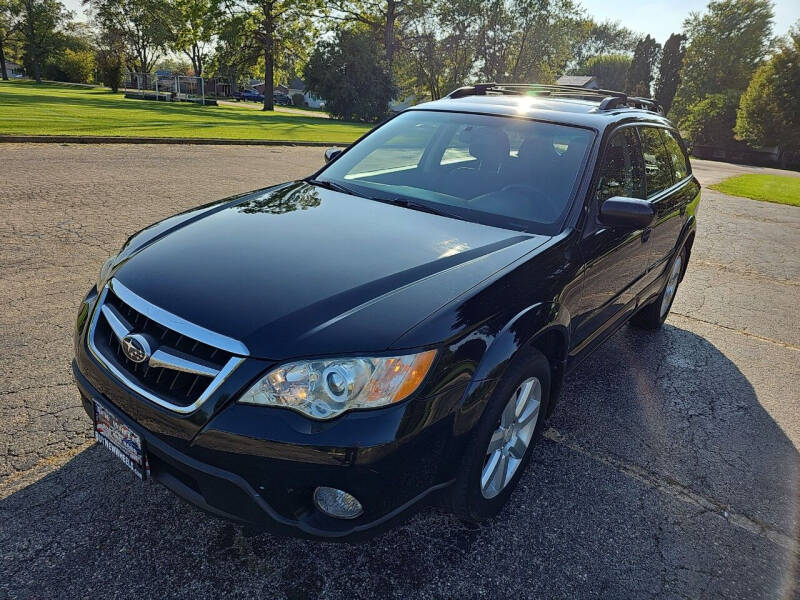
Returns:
<point x="680" y="162"/>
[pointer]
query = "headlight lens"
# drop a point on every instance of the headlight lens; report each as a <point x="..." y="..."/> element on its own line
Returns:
<point x="323" y="389"/>
<point x="105" y="272"/>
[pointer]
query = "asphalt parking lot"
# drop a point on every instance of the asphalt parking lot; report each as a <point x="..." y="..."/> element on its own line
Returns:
<point x="670" y="467"/>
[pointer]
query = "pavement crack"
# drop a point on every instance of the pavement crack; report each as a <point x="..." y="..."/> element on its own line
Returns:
<point x="678" y="490"/>
<point x="739" y="331"/>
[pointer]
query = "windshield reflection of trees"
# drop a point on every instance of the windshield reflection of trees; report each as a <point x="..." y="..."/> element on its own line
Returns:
<point x="288" y="199"/>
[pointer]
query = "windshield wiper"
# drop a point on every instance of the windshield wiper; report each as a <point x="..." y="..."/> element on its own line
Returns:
<point x="414" y="205"/>
<point x="336" y="187"/>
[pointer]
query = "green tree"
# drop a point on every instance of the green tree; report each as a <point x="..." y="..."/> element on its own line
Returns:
<point x="389" y="20"/>
<point x="351" y="74"/>
<point x="195" y="25"/>
<point x="643" y="64"/>
<point x="594" y="39"/>
<point x="669" y="70"/>
<point x="725" y="46"/>
<point x="769" y="110"/>
<point x="110" y="57"/>
<point x="440" y="52"/>
<point x="237" y="50"/>
<point x="283" y="29"/>
<point x="708" y="121"/>
<point x="611" y="70"/>
<point x="8" y="24"/>
<point x="142" y="25"/>
<point x="40" y="21"/>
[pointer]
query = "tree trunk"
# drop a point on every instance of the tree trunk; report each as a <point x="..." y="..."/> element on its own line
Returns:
<point x="269" y="60"/>
<point x="3" y="62"/>
<point x="388" y="31"/>
<point x="32" y="43"/>
<point x="197" y="61"/>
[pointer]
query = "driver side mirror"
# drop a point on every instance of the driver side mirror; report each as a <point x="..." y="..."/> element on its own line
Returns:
<point x="332" y="153"/>
<point x="626" y="213"/>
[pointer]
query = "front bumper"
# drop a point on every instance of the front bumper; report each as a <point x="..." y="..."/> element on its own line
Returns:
<point x="245" y="464"/>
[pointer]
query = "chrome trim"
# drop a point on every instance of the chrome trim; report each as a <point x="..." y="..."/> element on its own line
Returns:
<point x="174" y="322"/>
<point x="119" y="325"/>
<point x="178" y="361"/>
<point x="220" y="378"/>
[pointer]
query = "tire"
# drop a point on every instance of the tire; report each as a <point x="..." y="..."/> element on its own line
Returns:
<point x="653" y="315"/>
<point x="470" y="500"/>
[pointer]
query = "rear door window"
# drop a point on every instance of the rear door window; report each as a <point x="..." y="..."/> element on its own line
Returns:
<point x="621" y="173"/>
<point x="680" y="162"/>
<point x="657" y="161"/>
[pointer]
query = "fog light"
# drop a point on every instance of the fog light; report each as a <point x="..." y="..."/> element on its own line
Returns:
<point x="337" y="503"/>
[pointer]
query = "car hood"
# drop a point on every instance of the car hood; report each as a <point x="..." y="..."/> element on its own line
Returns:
<point x="299" y="270"/>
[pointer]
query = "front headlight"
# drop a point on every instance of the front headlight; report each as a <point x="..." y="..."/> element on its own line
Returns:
<point x="105" y="272"/>
<point x="323" y="389"/>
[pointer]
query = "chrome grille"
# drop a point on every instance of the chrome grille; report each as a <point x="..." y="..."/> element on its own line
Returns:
<point x="183" y="369"/>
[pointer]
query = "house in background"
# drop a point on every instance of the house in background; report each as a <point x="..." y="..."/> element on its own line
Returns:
<point x="585" y="81"/>
<point x="15" y="70"/>
<point x="296" y="86"/>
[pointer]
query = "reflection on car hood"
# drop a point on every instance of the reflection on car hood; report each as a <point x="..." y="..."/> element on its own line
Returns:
<point x="300" y="270"/>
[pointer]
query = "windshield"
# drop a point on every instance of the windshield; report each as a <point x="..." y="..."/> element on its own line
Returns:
<point x="506" y="172"/>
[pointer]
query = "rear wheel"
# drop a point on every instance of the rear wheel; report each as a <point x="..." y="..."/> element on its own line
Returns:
<point x="500" y="448"/>
<point x="654" y="314"/>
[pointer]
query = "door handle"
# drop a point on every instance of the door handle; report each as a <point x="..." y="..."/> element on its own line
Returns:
<point x="646" y="234"/>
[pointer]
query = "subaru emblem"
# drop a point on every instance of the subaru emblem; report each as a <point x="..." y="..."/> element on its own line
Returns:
<point x="136" y="348"/>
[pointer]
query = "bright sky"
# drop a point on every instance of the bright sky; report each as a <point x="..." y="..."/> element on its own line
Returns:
<point x="659" y="18"/>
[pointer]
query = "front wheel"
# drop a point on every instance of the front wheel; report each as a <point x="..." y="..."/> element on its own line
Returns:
<point x="654" y="314"/>
<point x="500" y="448"/>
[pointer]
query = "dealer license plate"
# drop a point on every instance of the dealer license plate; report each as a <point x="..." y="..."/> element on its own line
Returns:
<point x="120" y="440"/>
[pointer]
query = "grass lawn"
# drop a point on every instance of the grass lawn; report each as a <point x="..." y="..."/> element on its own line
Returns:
<point x="770" y="188"/>
<point x="54" y="109"/>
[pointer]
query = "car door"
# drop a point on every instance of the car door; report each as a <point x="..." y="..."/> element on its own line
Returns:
<point x="615" y="259"/>
<point x="669" y="189"/>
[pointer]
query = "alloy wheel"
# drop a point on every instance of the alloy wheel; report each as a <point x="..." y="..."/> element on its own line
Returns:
<point x="509" y="442"/>
<point x="672" y="286"/>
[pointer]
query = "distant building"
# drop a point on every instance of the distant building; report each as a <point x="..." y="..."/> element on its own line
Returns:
<point x="296" y="86"/>
<point x="585" y="81"/>
<point x="14" y="70"/>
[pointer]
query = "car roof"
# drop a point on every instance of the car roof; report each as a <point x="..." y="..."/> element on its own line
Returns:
<point x="570" y="111"/>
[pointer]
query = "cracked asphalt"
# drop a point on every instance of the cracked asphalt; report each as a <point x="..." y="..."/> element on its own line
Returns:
<point x="670" y="468"/>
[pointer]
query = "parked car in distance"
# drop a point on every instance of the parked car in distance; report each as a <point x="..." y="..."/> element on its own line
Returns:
<point x="282" y="99"/>
<point x="252" y="96"/>
<point x="323" y="357"/>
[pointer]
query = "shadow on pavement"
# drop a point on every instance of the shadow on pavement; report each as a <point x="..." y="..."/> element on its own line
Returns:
<point x="605" y="511"/>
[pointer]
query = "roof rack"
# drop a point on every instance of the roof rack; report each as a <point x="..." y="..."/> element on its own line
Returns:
<point x="609" y="100"/>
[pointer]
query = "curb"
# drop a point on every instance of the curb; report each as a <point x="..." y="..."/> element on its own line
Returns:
<point x="88" y="139"/>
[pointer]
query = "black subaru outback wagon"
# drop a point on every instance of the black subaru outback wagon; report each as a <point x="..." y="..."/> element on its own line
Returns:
<point x="321" y="357"/>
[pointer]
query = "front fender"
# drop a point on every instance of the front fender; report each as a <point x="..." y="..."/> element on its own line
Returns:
<point x="521" y="332"/>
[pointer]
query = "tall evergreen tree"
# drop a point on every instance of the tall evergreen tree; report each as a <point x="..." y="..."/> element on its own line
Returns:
<point x="640" y="74"/>
<point x="669" y="71"/>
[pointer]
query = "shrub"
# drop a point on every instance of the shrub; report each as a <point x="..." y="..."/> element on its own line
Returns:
<point x="78" y="65"/>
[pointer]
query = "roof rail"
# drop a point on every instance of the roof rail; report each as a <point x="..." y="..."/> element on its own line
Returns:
<point x="609" y="99"/>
